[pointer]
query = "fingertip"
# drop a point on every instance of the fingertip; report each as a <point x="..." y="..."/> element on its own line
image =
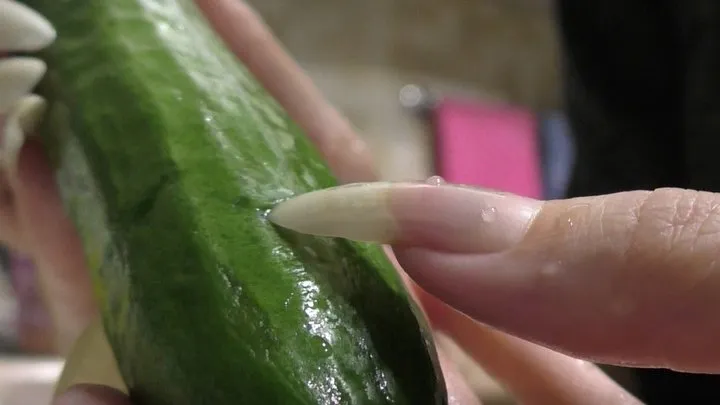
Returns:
<point x="92" y="395"/>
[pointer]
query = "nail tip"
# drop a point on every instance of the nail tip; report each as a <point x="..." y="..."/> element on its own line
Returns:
<point x="22" y="73"/>
<point x="287" y="213"/>
<point x="18" y="77"/>
<point x="357" y="211"/>
<point x="31" y="110"/>
<point x="23" y="119"/>
<point x="28" y="30"/>
<point x="22" y="66"/>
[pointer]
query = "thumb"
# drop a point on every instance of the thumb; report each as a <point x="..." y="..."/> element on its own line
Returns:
<point x="627" y="278"/>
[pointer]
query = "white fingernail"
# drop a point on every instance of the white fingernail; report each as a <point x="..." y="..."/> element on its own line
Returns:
<point x="22" y="28"/>
<point x="21" y="121"/>
<point x="30" y="112"/>
<point x="18" y="76"/>
<point x="356" y="211"/>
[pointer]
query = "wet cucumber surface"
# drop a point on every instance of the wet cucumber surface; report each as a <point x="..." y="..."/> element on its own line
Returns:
<point x="168" y="155"/>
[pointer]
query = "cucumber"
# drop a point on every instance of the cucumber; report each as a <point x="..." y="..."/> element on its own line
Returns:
<point x="168" y="156"/>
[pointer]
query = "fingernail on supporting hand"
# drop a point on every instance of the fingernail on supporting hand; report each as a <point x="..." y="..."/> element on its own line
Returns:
<point x="18" y="77"/>
<point x="23" y="29"/>
<point x="21" y="120"/>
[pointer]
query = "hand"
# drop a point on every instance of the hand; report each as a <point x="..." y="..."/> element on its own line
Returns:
<point x="629" y="278"/>
<point x="35" y="223"/>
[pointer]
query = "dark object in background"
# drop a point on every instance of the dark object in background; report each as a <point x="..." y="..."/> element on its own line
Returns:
<point x="642" y="87"/>
<point x="558" y="154"/>
<point x="5" y="260"/>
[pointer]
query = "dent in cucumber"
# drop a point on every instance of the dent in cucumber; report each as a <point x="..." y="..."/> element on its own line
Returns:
<point x="168" y="154"/>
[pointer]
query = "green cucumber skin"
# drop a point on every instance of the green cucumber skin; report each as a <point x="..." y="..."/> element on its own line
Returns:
<point x="168" y="153"/>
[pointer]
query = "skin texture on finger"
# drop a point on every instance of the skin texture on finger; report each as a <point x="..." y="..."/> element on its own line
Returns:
<point x="92" y="395"/>
<point x="629" y="278"/>
<point x="252" y="42"/>
<point x="56" y="248"/>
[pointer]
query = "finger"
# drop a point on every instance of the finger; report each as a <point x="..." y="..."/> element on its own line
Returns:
<point x="92" y="395"/>
<point x="532" y="374"/>
<point x="22" y="118"/>
<point x="629" y="277"/>
<point x="251" y="41"/>
<point x="57" y="251"/>
<point x="23" y="29"/>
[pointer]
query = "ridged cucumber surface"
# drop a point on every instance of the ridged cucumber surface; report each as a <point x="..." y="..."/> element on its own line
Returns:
<point x="168" y="156"/>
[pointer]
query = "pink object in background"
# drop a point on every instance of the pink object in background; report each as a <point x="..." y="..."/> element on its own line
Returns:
<point x="492" y="146"/>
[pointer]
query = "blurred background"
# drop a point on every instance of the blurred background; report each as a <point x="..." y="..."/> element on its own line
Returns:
<point x="468" y="90"/>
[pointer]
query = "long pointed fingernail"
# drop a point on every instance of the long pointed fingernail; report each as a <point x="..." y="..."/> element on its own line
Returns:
<point x="358" y="211"/>
<point x="21" y="121"/>
<point x="23" y="29"/>
<point x="446" y="217"/>
<point x="18" y="76"/>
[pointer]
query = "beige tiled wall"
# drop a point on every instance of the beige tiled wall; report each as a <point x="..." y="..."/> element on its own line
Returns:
<point x="360" y="53"/>
<point x="504" y="47"/>
<point x="369" y="96"/>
